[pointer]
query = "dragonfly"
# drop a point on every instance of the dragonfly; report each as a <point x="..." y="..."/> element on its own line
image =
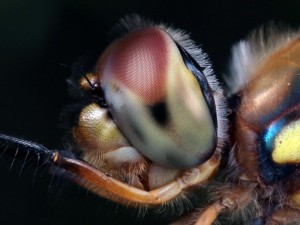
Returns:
<point x="154" y="128"/>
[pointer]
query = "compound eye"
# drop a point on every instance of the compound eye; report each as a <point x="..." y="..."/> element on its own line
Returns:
<point x="156" y="101"/>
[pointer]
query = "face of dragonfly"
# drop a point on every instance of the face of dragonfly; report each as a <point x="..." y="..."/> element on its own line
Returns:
<point x="151" y="122"/>
<point x="158" y="112"/>
<point x="151" y="126"/>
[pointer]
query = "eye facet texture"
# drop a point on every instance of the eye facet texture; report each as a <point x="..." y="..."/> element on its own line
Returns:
<point x="155" y="100"/>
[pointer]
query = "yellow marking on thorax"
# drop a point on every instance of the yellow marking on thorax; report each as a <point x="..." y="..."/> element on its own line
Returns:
<point x="287" y="144"/>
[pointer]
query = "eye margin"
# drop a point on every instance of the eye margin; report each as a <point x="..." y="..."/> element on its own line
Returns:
<point x="197" y="71"/>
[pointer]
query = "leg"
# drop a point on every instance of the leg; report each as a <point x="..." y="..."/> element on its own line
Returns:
<point x="89" y="176"/>
<point x="231" y="197"/>
<point x="101" y="183"/>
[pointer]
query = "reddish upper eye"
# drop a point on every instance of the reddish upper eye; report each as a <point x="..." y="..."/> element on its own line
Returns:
<point x="139" y="61"/>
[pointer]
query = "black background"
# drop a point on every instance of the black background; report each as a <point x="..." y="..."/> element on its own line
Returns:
<point x="36" y="37"/>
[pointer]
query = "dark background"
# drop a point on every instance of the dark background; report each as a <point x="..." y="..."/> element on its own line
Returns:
<point x="36" y="37"/>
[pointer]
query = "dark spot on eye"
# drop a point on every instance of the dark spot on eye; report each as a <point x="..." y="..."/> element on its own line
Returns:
<point x="160" y="113"/>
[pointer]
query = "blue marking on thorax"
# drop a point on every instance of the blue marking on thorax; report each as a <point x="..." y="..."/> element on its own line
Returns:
<point x="270" y="134"/>
<point x="269" y="170"/>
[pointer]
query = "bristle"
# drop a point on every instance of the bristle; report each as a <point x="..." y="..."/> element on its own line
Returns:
<point x="249" y="54"/>
<point x="129" y="24"/>
<point x="176" y="206"/>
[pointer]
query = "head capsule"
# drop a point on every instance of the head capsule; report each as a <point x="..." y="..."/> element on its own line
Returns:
<point x="162" y="95"/>
<point x="267" y="121"/>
